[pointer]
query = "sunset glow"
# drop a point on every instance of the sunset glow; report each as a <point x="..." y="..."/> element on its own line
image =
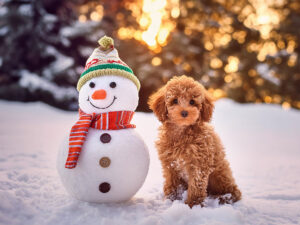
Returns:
<point x="155" y="20"/>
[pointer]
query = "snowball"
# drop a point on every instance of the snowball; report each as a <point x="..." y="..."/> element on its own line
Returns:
<point x="128" y="169"/>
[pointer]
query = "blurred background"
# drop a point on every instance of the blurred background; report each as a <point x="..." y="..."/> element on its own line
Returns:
<point x="246" y="50"/>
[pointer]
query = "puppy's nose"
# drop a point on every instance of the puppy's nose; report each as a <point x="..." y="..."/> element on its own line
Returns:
<point x="184" y="113"/>
<point x="99" y="95"/>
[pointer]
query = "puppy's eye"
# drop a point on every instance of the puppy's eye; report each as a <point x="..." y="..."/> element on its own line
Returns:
<point x="113" y="84"/>
<point x="92" y="85"/>
<point x="192" y="102"/>
<point x="175" y="101"/>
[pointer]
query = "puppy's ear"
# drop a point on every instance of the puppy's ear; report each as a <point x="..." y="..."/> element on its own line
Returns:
<point x="207" y="108"/>
<point x="157" y="103"/>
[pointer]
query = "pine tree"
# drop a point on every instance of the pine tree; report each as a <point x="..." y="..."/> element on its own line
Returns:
<point x="41" y="51"/>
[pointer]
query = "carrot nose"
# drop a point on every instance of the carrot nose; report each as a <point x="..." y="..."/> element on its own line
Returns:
<point x="99" y="94"/>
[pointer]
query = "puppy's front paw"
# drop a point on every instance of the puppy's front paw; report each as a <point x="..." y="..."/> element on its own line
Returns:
<point x="194" y="202"/>
<point x="172" y="195"/>
<point x="170" y="192"/>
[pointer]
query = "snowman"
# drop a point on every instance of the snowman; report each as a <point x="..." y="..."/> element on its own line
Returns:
<point x="103" y="159"/>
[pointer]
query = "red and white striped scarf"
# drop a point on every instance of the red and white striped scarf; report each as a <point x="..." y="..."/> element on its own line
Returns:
<point x="104" y="121"/>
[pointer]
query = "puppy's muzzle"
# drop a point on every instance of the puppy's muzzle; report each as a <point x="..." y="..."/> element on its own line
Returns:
<point x="184" y="113"/>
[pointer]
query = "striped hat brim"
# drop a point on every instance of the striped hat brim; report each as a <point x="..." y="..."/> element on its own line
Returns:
<point x="106" y="70"/>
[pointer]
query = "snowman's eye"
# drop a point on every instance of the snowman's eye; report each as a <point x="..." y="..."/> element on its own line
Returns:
<point x="113" y="84"/>
<point x="92" y="85"/>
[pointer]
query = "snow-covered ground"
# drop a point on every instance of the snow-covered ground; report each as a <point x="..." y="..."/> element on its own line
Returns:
<point x="262" y="143"/>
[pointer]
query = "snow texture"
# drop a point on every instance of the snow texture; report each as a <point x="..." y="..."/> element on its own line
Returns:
<point x="262" y="144"/>
<point x="34" y="82"/>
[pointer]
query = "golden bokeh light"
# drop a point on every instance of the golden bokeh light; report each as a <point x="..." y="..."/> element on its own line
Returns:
<point x="82" y="18"/>
<point x="239" y="36"/>
<point x="208" y="46"/>
<point x="268" y="48"/>
<point x="277" y="99"/>
<point x="268" y="99"/>
<point x="90" y="11"/>
<point x="162" y="36"/>
<point x="157" y="49"/>
<point x="264" y="18"/>
<point x="292" y="60"/>
<point x="177" y="60"/>
<point x="286" y="105"/>
<point x="259" y="81"/>
<point x="95" y="16"/>
<point x="175" y="12"/>
<point x="187" y="67"/>
<point x="218" y="93"/>
<point x="291" y="46"/>
<point x="228" y="78"/>
<point x="252" y="73"/>
<point x="156" y="61"/>
<point x="188" y="31"/>
<point x="125" y="33"/>
<point x="216" y="63"/>
<point x="158" y="25"/>
<point x="154" y="9"/>
<point x="144" y="22"/>
<point x="155" y="20"/>
<point x="233" y="64"/>
<point x="237" y="83"/>
<point x="281" y="44"/>
<point x="225" y="39"/>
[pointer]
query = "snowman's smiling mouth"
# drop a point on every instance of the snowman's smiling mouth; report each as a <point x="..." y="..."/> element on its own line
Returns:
<point x="102" y="107"/>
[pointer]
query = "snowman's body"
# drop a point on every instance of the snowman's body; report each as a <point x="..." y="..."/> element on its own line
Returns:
<point x="113" y="164"/>
<point x="119" y="165"/>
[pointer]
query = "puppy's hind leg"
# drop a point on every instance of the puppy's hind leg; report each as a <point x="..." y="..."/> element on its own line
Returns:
<point x="221" y="183"/>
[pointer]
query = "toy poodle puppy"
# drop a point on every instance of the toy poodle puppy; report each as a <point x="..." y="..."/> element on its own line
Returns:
<point x="190" y="151"/>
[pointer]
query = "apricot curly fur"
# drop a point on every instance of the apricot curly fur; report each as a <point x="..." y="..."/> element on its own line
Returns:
<point x="191" y="153"/>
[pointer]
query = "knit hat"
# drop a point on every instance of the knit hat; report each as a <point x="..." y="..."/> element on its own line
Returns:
<point x="105" y="61"/>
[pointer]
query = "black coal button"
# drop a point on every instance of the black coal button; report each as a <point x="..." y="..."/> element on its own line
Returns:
<point x="104" y="187"/>
<point x="105" y="138"/>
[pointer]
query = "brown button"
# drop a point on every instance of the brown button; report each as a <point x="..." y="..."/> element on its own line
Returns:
<point x="105" y="138"/>
<point x="104" y="187"/>
<point x="104" y="162"/>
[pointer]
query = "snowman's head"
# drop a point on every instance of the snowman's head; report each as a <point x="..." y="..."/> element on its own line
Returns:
<point x="108" y="93"/>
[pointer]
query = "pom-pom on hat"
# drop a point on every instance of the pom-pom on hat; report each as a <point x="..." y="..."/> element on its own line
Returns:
<point x="105" y="61"/>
